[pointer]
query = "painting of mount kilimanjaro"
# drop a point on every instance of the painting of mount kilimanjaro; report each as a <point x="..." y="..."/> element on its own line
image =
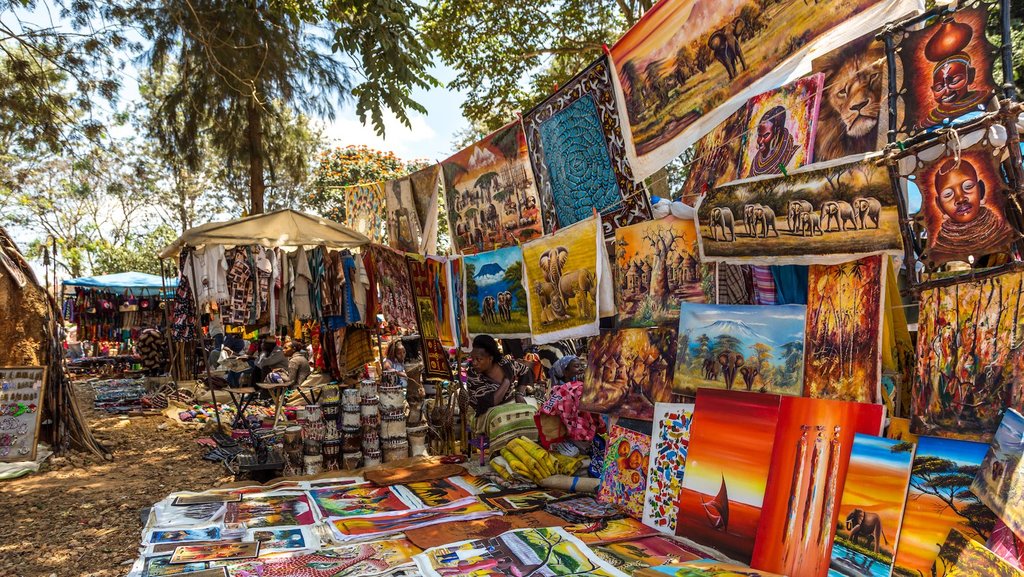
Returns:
<point x="747" y="347"/>
<point x="495" y="297"/>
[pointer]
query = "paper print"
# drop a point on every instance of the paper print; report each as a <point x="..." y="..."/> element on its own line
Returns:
<point x="1007" y="545"/>
<point x="548" y="551"/>
<point x="523" y="501"/>
<point x="496" y="302"/>
<point x="853" y="102"/>
<point x="438" y="535"/>
<point x="946" y="70"/>
<point x="205" y="498"/>
<point x="219" y="552"/>
<point x="745" y="347"/>
<point x="703" y="568"/>
<point x="161" y="566"/>
<point x="357" y="501"/>
<point x="968" y="351"/>
<point x="632" y="556"/>
<point x="583" y="509"/>
<point x="270" y="510"/>
<point x="999" y="483"/>
<point x="961" y="556"/>
<point x="563" y="275"/>
<point x="404" y="230"/>
<point x="940" y="500"/>
<point x="842" y="360"/>
<point x="209" y="533"/>
<point x="871" y="511"/>
<point x="781" y="128"/>
<point x="396" y="299"/>
<point x="387" y="524"/>
<point x="366" y="210"/>
<point x="360" y="560"/>
<point x="579" y="155"/>
<point x="717" y="156"/>
<point x="437" y="492"/>
<point x="283" y="539"/>
<point x="811" y="216"/>
<point x="602" y="531"/>
<point x="656" y="267"/>
<point x="669" y="443"/>
<point x="624" y="477"/>
<point x="492" y="200"/>
<point x="727" y="468"/>
<point x="628" y="370"/>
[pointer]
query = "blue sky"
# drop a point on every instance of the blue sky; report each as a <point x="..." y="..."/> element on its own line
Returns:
<point x="960" y="452"/>
<point x="504" y="257"/>
<point x="780" y="324"/>
<point x="877" y="450"/>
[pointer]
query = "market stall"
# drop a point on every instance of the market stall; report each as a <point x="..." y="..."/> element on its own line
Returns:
<point x="110" y="311"/>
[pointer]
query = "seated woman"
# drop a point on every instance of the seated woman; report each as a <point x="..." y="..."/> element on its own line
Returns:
<point x="565" y="370"/>
<point x="496" y="384"/>
<point x="395" y="358"/>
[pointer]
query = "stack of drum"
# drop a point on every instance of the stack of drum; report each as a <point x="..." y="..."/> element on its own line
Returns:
<point x="313" y="432"/>
<point x="369" y="419"/>
<point x="351" y="431"/>
<point x="394" y="441"/>
<point x="330" y="400"/>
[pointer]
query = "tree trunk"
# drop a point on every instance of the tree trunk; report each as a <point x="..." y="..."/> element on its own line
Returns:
<point x="255" y="132"/>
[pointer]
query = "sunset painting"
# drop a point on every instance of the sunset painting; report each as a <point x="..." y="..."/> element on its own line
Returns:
<point x="727" y="470"/>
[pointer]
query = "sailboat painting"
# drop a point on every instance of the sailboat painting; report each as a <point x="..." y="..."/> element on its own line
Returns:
<point x="727" y="468"/>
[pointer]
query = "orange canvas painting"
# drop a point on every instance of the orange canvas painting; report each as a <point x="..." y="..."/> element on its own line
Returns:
<point x="727" y="467"/>
<point x="813" y="442"/>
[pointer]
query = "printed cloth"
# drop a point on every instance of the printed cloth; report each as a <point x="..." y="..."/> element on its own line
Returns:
<point x="564" y="403"/>
<point x="183" y="323"/>
<point x="240" y="286"/>
<point x="483" y="389"/>
<point x="764" y="285"/>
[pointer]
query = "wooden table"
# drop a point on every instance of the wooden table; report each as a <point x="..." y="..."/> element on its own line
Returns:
<point x="276" y="391"/>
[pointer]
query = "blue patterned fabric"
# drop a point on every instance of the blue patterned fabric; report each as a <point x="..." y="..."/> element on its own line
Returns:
<point x="576" y="156"/>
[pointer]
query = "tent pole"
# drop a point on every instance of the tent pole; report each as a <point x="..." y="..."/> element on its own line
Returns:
<point x="206" y="357"/>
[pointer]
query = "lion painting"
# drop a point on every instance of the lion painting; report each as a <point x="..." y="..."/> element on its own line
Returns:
<point x="851" y="107"/>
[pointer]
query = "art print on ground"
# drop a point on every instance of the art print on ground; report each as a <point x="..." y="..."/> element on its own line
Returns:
<point x="628" y="370"/>
<point x="656" y="267"/>
<point x="746" y="347"/>
<point x="496" y="302"/>
<point x="816" y="216"/>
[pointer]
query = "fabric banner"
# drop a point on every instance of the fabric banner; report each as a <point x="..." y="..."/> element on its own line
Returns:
<point x="460" y="331"/>
<point x="396" y="299"/>
<point x="496" y="302"/>
<point x="819" y="214"/>
<point x="437" y="270"/>
<point x="366" y="210"/>
<point x="689" y="64"/>
<point x="403" y="222"/>
<point x="426" y="188"/>
<point x="435" y="357"/>
<point x="579" y="155"/>
<point x="492" y="200"/>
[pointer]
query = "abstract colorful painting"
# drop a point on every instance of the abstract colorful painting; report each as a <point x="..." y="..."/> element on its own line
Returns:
<point x="946" y="70"/>
<point x="396" y="299"/>
<point x="624" y="477"/>
<point x="781" y="128"/>
<point x="628" y="370"/>
<point x="632" y="556"/>
<point x="492" y="200"/>
<point x="851" y="117"/>
<point x="961" y="556"/>
<point x="703" y="568"/>
<point x="270" y="510"/>
<point x="377" y="558"/>
<point x="579" y="155"/>
<point x="716" y="156"/>
<point x="656" y="267"/>
<point x="813" y="442"/>
<point x="496" y="302"/>
<point x="563" y="277"/>
<point x="745" y="347"/>
<point x="404" y="231"/>
<point x="965" y="211"/>
<point x="999" y="483"/>
<point x="810" y="216"/>
<point x="357" y="501"/>
<point x="843" y="359"/>
<point x="611" y="531"/>
<point x="968" y="348"/>
<point x="684" y="60"/>
<point x="379" y="525"/>
<point x="548" y="551"/>
<point x="871" y="511"/>
<point x="939" y="500"/>
<point x="669" y="443"/>
<point x="727" y="468"/>
<point x="1007" y="545"/>
<point x="366" y="210"/>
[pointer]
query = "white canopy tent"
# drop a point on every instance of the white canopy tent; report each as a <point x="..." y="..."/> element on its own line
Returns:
<point x="280" y="228"/>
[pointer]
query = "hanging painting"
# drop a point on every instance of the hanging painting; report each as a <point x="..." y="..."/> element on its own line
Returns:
<point x="366" y="210"/>
<point x="492" y="200"/>
<point x="843" y="358"/>
<point x="813" y="442"/>
<point x="966" y="211"/>
<point x="716" y="156"/>
<point x="946" y="69"/>
<point x="727" y="468"/>
<point x="396" y="299"/>
<point x="968" y="351"/>
<point x="656" y="267"/>
<point x="563" y="277"/>
<point x="624" y="479"/>
<point x="669" y="442"/>
<point x="962" y="556"/>
<point x="939" y="500"/>
<point x="460" y="331"/>
<point x="628" y="370"/>
<point x="426" y="186"/>
<point x="810" y="216"/>
<point x="781" y="127"/>
<point x="403" y="223"/>
<point x="851" y="118"/>
<point x="871" y="511"/>
<point x="435" y="357"/>
<point x="999" y="483"/>
<point x="496" y="302"/>
<point x="750" y="347"/>
<point x="686" y="65"/>
<point x="579" y="154"/>
<point x="441" y="295"/>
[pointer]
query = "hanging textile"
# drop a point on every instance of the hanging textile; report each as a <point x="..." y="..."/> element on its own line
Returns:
<point x="366" y="210"/>
<point x="437" y="276"/>
<point x="241" y="286"/>
<point x="403" y="222"/>
<point x="426" y="186"/>
<point x="396" y="298"/>
<point x="303" y="285"/>
<point x="435" y="358"/>
<point x="764" y="285"/>
<point x="496" y="301"/>
<point x="183" y="321"/>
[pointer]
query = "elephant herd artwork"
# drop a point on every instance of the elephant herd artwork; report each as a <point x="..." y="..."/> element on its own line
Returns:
<point x="492" y="200"/>
<point x="804" y="217"/>
<point x="741" y="347"/>
<point x="495" y="296"/>
<point x="685" y="58"/>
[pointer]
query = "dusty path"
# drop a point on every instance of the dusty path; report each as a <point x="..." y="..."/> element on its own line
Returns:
<point x="79" y="516"/>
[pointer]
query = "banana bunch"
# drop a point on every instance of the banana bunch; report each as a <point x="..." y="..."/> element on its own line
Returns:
<point x="523" y="458"/>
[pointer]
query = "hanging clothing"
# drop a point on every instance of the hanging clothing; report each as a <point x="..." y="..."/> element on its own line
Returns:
<point x="240" y="286"/>
<point x="317" y="270"/>
<point x="183" y="321"/>
<point x="210" y="281"/>
<point x="764" y="285"/>
<point x="790" y="284"/>
<point x="348" y="267"/>
<point x="735" y="284"/>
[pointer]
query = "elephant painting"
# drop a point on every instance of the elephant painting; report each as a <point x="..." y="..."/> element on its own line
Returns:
<point x="726" y="48"/>
<point x="552" y="307"/>
<point x="868" y="525"/>
<point x="505" y="306"/>
<point x="487" y="311"/>
<point x="865" y="208"/>
<point x="580" y="285"/>
<point x="809" y="223"/>
<point x="748" y="218"/>
<point x="838" y="212"/>
<point x="764" y="217"/>
<point x="721" y="217"/>
<point x="749" y="373"/>
<point x="730" y="361"/>
<point x="710" y="368"/>
<point x="793" y="212"/>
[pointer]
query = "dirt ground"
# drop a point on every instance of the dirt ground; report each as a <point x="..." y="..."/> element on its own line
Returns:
<point x="80" y="515"/>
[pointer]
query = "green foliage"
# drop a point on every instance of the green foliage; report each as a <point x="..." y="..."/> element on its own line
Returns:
<point x="138" y="253"/>
<point x="514" y="277"/>
<point x="342" y="167"/>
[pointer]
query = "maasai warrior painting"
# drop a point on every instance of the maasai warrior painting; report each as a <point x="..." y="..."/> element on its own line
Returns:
<point x="1000" y="482"/>
<point x="968" y="357"/>
<point x="495" y="297"/>
<point x="716" y="156"/>
<point x="947" y="69"/>
<point x="492" y="200"/>
<point x="628" y="370"/>
<point x="781" y="127"/>
<point x="656" y="267"/>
